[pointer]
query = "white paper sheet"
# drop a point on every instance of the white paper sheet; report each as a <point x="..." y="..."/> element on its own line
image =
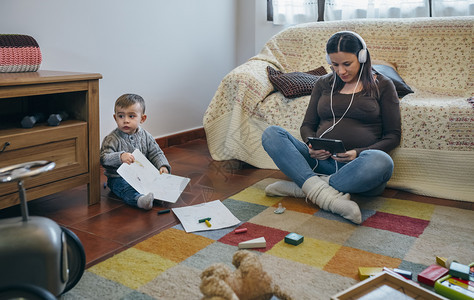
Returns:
<point x="220" y="215"/>
<point x="143" y="176"/>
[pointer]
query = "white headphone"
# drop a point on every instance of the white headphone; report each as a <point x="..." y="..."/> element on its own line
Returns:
<point x="362" y="56"/>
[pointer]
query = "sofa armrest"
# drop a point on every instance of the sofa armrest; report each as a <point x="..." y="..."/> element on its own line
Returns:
<point x="246" y="86"/>
<point x="253" y="74"/>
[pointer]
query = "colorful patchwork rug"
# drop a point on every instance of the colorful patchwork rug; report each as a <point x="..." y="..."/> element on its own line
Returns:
<point x="395" y="233"/>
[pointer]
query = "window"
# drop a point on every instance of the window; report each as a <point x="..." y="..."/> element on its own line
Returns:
<point x="343" y="9"/>
<point x="294" y="11"/>
<point x="301" y="11"/>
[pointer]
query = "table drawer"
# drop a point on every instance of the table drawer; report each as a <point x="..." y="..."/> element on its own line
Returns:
<point x="64" y="144"/>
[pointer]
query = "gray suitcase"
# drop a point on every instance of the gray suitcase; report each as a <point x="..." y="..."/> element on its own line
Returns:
<point x="36" y="254"/>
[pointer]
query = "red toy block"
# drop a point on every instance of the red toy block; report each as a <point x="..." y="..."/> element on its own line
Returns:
<point x="429" y="275"/>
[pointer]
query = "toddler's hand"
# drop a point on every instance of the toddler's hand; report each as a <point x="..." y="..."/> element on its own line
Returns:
<point x="164" y="170"/>
<point x="127" y="158"/>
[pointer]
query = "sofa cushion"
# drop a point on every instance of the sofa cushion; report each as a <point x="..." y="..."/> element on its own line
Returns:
<point x="295" y="84"/>
<point x="402" y="88"/>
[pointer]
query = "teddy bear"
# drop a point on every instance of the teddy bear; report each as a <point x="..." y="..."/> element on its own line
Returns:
<point x="248" y="282"/>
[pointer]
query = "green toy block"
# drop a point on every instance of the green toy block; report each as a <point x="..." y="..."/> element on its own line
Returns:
<point x="459" y="270"/>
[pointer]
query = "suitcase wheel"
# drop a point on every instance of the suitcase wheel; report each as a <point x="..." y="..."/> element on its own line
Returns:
<point x="76" y="257"/>
<point x="26" y="292"/>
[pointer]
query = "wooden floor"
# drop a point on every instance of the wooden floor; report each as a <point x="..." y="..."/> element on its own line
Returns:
<point x="111" y="226"/>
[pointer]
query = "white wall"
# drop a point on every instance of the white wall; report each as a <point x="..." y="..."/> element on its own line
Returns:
<point x="253" y="29"/>
<point x="245" y="30"/>
<point x="264" y="29"/>
<point x="173" y="53"/>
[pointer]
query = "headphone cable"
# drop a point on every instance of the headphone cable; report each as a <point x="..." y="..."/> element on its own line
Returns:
<point x="350" y="103"/>
<point x="343" y="115"/>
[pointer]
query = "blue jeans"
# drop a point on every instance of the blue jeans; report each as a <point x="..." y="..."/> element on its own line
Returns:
<point x="123" y="190"/>
<point x="368" y="174"/>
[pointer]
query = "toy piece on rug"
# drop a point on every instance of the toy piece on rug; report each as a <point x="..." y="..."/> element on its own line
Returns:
<point x="294" y="238"/>
<point x="442" y="261"/>
<point x="445" y="262"/>
<point x="459" y="270"/>
<point x="366" y="272"/>
<point x="405" y="273"/>
<point x="429" y="275"/>
<point x="280" y="209"/>
<point x="248" y="281"/>
<point x="255" y="243"/>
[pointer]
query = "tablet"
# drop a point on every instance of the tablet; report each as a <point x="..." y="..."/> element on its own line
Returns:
<point x="333" y="146"/>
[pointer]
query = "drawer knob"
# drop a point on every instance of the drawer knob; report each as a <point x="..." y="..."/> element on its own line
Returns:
<point x="5" y="146"/>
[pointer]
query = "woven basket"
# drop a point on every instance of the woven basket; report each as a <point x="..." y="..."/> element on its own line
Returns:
<point x="19" y="53"/>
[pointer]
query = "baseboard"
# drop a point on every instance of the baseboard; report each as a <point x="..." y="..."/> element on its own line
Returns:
<point x="181" y="138"/>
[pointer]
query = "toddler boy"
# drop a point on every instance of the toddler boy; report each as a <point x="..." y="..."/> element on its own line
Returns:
<point x="117" y="148"/>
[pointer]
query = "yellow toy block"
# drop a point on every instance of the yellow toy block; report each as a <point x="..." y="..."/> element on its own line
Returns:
<point x="366" y="272"/>
<point x="441" y="261"/>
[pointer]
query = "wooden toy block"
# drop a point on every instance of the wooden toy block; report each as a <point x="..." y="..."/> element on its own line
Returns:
<point x="294" y="239"/>
<point x="429" y="275"/>
<point x="459" y="270"/>
<point x="393" y="273"/>
<point x="366" y="272"/>
<point x="404" y="273"/>
<point x="442" y="261"/>
<point x="241" y="230"/>
<point x="255" y="243"/>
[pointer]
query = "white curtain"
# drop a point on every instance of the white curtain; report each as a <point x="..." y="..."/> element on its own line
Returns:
<point x="446" y="8"/>
<point x="301" y="11"/>
<point x="360" y="9"/>
<point x="294" y="11"/>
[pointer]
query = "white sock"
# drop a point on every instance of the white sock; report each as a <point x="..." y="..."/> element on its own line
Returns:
<point x="328" y="198"/>
<point x="146" y="201"/>
<point x="284" y="188"/>
<point x="325" y="178"/>
<point x="348" y="209"/>
<point x="341" y="195"/>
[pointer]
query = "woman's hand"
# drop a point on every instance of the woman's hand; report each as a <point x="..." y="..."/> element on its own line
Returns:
<point x="318" y="154"/>
<point x="346" y="156"/>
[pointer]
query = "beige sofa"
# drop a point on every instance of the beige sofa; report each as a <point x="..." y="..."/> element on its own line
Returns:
<point x="434" y="56"/>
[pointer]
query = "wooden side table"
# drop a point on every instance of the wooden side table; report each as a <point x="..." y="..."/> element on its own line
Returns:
<point x="73" y="145"/>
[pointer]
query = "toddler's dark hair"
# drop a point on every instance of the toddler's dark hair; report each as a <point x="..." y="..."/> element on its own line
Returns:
<point x="127" y="100"/>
